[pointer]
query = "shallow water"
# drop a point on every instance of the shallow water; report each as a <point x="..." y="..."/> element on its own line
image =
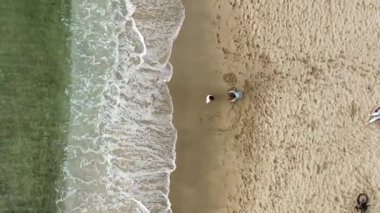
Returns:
<point x="85" y="109"/>
<point x="121" y="140"/>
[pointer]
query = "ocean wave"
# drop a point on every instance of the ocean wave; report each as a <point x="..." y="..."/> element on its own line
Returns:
<point x="121" y="139"/>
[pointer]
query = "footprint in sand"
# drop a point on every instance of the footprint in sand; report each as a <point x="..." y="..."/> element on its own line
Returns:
<point x="223" y="119"/>
<point x="230" y="79"/>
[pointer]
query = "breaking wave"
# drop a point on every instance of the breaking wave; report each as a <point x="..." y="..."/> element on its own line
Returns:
<point x="121" y="147"/>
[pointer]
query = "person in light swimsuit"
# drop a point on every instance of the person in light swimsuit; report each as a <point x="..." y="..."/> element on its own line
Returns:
<point x="374" y="116"/>
<point x="234" y="95"/>
<point x="209" y="98"/>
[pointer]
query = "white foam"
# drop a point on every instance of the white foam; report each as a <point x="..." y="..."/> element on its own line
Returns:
<point x="122" y="140"/>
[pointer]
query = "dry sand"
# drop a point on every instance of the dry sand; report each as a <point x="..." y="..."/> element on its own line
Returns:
<point x="297" y="142"/>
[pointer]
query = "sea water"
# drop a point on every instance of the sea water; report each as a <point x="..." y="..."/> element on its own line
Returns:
<point x="121" y="141"/>
<point x="34" y="108"/>
<point x="85" y="112"/>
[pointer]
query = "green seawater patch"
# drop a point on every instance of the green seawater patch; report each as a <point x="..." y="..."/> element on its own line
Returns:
<point x="34" y="108"/>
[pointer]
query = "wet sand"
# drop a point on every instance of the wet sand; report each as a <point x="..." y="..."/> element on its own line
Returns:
<point x="298" y="141"/>
<point x="196" y="182"/>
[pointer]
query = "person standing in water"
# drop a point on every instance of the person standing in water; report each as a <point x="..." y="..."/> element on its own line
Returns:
<point x="209" y="98"/>
<point x="234" y="95"/>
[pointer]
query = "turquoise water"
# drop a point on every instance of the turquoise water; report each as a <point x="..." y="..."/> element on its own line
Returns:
<point x="85" y="112"/>
<point x="34" y="109"/>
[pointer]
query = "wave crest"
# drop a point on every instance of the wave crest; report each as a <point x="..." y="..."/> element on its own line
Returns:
<point x="122" y="140"/>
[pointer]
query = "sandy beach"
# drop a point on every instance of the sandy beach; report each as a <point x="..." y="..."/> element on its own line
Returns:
<point x="298" y="141"/>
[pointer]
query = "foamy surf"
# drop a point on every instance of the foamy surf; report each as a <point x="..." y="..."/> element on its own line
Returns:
<point x="121" y="140"/>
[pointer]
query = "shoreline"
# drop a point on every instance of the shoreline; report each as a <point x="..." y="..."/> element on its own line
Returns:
<point x="197" y="184"/>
